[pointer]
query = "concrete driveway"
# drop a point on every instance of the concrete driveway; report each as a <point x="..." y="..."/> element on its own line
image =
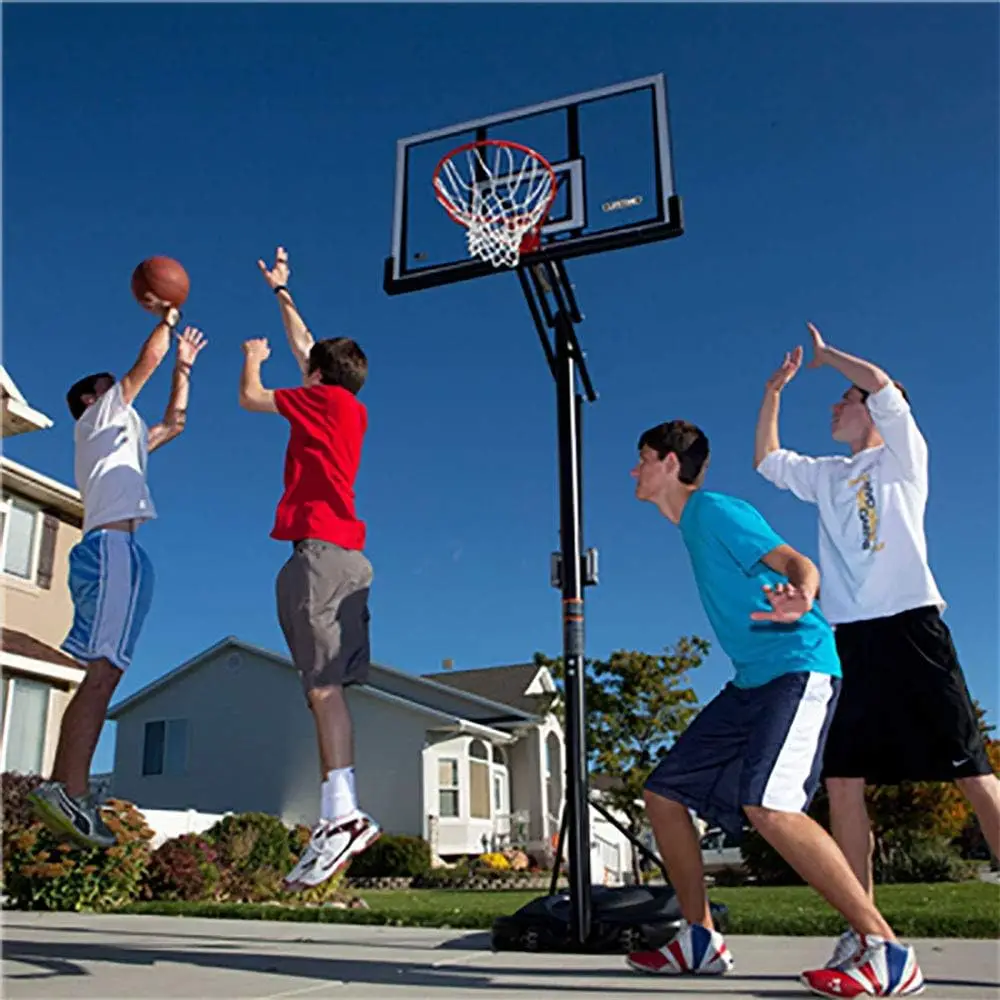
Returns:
<point x="79" y="956"/>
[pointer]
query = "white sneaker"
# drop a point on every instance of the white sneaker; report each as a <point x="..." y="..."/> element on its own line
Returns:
<point x="847" y="947"/>
<point x="331" y="847"/>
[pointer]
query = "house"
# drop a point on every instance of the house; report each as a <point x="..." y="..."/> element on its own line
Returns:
<point x="40" y="521"/>
<point x="467" y="763"/>
<point x="229" y="731"/>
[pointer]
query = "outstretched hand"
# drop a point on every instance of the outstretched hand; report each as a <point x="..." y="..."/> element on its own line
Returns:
<point x="819" y="347"/>
<point x="279" y="274"/>
<point x="786" y="371"/>
<point x="189" y="345"/>
<point x="788" y="604"/>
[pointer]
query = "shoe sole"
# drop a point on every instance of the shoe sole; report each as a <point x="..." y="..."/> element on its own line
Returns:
<point x="834" y="996"/>
<point x="354" y="851"/>
<point x="669" y="970"/>
<point x="61" y="825"/>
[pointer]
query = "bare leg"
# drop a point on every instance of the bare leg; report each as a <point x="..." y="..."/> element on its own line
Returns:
<point x="678" y="843"/>
<point x="983" y="793"/>
<point x="813" y="853"/>
<point x="81" y="726"/>
<point x="851" y="827"/>
<point x="334" y="732"/>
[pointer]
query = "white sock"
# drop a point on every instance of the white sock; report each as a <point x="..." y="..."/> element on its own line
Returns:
<point x="337" y="797"/>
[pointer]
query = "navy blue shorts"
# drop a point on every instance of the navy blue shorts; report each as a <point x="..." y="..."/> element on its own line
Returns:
<point x="760" y="746"/>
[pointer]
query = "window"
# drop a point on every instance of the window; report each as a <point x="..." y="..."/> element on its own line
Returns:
<point x="448" y="787"/>
<point x="479" y="780"/>
<point x="25" y="721"/>
<point x="19" y="536"/>
<point x="164" y="750"/>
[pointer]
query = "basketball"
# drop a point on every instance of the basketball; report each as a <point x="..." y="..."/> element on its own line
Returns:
<point x="164" y="277"/>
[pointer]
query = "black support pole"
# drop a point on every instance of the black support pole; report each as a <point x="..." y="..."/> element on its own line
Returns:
<point x="573" y="628"/>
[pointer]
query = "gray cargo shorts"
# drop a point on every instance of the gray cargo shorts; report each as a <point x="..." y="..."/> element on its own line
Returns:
<point x="322" y="594"/>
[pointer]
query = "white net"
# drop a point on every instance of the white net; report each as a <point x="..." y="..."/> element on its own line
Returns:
<point x="500" y="192"/>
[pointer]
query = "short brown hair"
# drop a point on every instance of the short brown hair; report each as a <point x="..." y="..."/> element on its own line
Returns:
<point x="86" y="386"/>
<point x="687" y="442"/>
<point x="340" y="361"/>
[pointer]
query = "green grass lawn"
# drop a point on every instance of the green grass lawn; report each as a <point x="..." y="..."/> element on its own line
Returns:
<point x="969" y="909"/>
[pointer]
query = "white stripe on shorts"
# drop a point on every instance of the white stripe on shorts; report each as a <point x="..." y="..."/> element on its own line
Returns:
<point x="114" y="608"/>
<point x="786" y="786"/>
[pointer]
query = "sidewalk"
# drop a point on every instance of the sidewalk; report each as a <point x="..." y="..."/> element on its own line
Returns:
<point x="87" y="957"/>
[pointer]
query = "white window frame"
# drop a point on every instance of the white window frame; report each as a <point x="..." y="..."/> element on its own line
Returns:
<point x="456" y="788"/>
<point x="10" y="682"/>
<point x="8" y="501"/>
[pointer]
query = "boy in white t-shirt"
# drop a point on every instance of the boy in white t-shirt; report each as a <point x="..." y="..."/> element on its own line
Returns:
<point x="110" y="575"/>
<point x="905" y="713"/>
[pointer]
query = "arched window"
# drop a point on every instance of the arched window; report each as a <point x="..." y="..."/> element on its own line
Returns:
<point x="479" y="780"/>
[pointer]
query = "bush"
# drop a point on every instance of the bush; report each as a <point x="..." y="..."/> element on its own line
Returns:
<point x="183" y="868"/>
<point x="254" y="853"/>
<point x="393" y="856"/>
<point x="920" y="858"/>
<point x="42" y="871"/>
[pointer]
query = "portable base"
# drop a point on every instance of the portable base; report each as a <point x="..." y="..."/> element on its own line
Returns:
<point x="623" y="919"/>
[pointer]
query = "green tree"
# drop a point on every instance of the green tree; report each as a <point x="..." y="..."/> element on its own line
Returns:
<point x="636" y="706"/>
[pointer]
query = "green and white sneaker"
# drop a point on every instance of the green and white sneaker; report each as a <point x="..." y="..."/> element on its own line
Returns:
<point x="68" y="816"/>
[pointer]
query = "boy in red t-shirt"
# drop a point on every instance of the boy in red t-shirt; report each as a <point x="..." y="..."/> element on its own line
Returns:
<point x="322" y="591"/>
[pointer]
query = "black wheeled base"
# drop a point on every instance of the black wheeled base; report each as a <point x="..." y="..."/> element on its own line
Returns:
<point x="623" y="919"/>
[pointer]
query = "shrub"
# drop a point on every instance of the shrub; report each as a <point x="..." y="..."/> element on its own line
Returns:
<point x="920" y="858"/>
<point x="182" y="868"/>
<point x="42" y="871"/>
<point x="254" y="853"/>
<point x="393" y="856"/>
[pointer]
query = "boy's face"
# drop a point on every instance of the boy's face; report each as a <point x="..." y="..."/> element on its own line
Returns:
<point x="653" y="474"/>
<point x="851" y="420"/>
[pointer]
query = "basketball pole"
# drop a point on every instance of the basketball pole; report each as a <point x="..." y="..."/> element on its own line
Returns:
<point x="572" y="569"/>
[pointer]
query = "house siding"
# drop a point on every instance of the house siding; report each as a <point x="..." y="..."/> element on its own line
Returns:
<point x="251" y="746"/>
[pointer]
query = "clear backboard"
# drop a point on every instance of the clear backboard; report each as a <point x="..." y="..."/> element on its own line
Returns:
<point x="610" y="151"/>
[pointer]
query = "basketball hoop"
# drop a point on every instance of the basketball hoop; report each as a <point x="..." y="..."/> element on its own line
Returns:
<point x="502" y="203"/>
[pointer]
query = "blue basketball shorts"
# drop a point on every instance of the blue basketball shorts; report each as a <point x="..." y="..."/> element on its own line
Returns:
<point x="111" y="582"/>
<point x="760" y="746"/>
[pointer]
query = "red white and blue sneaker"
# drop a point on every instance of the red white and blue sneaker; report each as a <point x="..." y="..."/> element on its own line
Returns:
<point x="878" y="968"/>
<point x="331" y="847"/>
<point x="693" y="950"/>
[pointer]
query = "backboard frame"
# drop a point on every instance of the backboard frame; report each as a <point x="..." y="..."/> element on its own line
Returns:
<point x="666" y="222"/>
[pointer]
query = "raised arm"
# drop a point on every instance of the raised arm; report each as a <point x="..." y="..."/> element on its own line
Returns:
<point x="889" y="409"/>
<point x="766" y="439"/>
<point x="866" y="376"/>
<point x="253" y="396"/>
<point x="300" y="340"/>
<point x="153" y="351"/>
<point x="189" y="345"/>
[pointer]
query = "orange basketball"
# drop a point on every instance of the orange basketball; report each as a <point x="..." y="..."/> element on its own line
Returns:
<point x="164" y="277"/>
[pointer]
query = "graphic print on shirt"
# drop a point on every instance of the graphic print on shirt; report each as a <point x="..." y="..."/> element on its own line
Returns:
<point x="867" y="512"/>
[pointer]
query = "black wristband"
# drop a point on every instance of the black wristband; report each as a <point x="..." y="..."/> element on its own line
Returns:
<point x="281" y="288"/>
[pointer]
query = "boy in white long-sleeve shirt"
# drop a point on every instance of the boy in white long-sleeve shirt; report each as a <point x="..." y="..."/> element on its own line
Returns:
<point x="905" y="713"/>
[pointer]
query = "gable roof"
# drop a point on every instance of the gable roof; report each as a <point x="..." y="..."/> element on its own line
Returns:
<point x="518" y="685"/>
<point x="505" y="712"/>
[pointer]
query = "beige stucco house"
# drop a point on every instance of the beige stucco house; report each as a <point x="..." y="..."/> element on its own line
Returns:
<point x="40" y="521"/>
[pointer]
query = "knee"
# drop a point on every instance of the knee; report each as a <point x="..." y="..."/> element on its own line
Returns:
<point x="320" y="696"/>
<point x="760" y="818"/>
<point x="980" y="788"/>
<point x="846" y="791"/>
<point x="102" y="676"/>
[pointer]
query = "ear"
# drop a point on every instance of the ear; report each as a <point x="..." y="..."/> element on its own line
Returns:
<point x="672" y="463"/>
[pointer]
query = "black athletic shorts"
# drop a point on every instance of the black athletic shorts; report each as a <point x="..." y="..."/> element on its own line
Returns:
<point x="904" y="713"/>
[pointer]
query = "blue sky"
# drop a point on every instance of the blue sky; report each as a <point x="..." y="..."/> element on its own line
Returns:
<point x="837" y="162"/>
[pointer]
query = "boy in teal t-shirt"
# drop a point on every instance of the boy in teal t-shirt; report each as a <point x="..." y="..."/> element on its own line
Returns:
<point x="757" y="748"/>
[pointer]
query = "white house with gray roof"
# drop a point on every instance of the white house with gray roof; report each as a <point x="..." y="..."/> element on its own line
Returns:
<point x="466" y="760"/>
